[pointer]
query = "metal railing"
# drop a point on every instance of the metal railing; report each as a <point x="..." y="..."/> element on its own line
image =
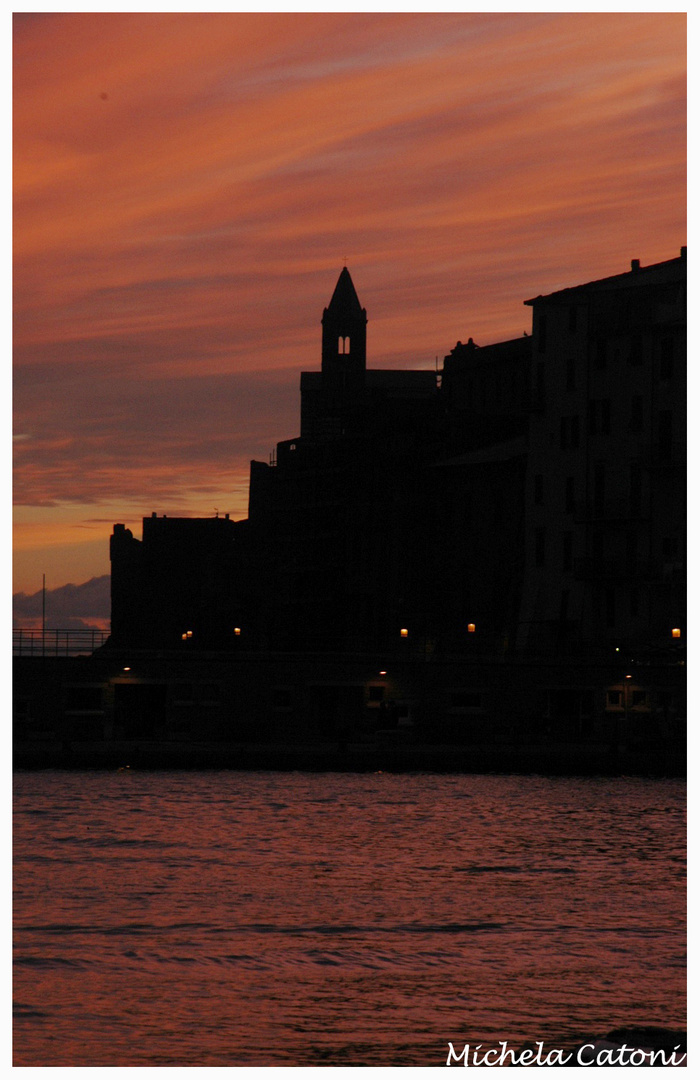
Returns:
<point x="57" y="642"/>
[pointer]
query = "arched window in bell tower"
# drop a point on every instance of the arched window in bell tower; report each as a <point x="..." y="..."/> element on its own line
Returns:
<point x="343" y="346"/>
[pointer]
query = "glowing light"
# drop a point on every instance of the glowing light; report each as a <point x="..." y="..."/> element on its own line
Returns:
<point x="675" y="632"/>
<point x="471" y="628"/>
<point x="237" y="631"/>
<point x="404" y="632"/>
<point x="382" y="672"/>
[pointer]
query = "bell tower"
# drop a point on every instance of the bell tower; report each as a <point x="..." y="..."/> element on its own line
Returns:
<point x="344" y="338"/>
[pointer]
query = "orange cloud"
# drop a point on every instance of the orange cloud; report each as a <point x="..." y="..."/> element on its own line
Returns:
<point x="187" y="187"/>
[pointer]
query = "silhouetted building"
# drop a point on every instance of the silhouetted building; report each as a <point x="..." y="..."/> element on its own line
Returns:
<point x="605" y="491"/>
<point x="180" y="585"/>
<point x="331" y="517"/>
<point x="527" y="499"/>
<point x="491" y="556"/>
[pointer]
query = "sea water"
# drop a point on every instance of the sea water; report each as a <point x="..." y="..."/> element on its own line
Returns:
<point x="333" y="919"/>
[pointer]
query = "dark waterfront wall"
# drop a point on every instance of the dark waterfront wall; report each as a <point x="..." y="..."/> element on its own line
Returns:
<point x="303" y="711"/>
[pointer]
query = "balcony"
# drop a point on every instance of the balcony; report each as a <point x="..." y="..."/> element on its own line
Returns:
<point x="670" y="454"/>
<point x="57" y="642"/>
<point x="590" y="569"/>
<point x="622" y="571"/>
<point x="603" y="510"/>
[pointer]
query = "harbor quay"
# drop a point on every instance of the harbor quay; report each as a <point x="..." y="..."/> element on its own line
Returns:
<point x="116" y="708"/>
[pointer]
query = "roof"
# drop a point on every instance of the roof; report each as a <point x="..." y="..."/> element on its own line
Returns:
<point x="488" y="455"/>
<point x="656" y="273"/>
<point x="344" y="301"/>
<point x="381" y="379"/>
<point x="394" y="378"/>
<point x="471" y="353"/>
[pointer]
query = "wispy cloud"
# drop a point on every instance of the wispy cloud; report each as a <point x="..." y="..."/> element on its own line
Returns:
<point x="187" y="187"/>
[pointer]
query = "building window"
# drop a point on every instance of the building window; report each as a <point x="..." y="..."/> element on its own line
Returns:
<point x="569" y="495"/>
<point x="343" y="345"/>
<point x="84" y="698"/>
<point x="636" y="352"/>
<point x="635" y="487"/>
<point x="570" y="374"/>
<point x="539" y="384"/>
<point x="637" y="413"/>
<point x="669" y="547"/>
<point x="615" y="698"/>
<point x="665" y="432"/>
<point x="601" y="355"/>
<point x="572" y="319"/>
<point x="183" y="693"/>
<point x="539" y="547"/>
<point x="569" y="433"/>
<point x="598" y="486"/>
<point x="542" y="333"/>
<point x="666" y="360"/>
<point x="639" y="698"/>
<point x="465" y="699"/>
<point x="568" y="549"/>
<point x="282" y="697"/>
<point x="599" y="417"/>
<point x="539" y="489"/>
<point x="564" y="605"/>
<point x="592" y="418"/>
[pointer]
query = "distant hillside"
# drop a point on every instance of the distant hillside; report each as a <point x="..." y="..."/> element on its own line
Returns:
<point x="69" y="607"/>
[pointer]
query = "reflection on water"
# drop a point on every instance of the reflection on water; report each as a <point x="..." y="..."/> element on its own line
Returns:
<point x="297" y="919"/>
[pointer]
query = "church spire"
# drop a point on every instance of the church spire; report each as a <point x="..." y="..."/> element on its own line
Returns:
<point x="344" y="339"/>
<point x="344" y="301"/>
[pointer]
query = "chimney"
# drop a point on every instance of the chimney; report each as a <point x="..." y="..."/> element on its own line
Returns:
<point x="635" y="264"/>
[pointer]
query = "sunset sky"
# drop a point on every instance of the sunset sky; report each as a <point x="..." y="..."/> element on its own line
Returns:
<point x="188" y="187"/>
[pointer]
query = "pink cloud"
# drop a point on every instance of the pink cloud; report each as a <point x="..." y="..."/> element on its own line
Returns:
<point x="187" y="187"/>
